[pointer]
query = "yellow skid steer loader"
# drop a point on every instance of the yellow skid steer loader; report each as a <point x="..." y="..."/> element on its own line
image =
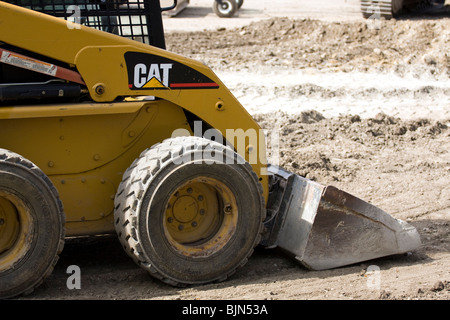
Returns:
<point x="104" y="131"/>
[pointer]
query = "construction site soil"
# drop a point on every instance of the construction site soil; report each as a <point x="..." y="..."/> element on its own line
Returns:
<point x="361" y="105"/>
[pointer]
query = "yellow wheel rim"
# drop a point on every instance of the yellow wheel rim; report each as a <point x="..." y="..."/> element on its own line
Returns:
<point x="200" y="217"/>
<point x="15" y="227"/>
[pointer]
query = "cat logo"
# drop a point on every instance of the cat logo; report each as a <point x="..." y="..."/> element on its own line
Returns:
<point x="156" y="76"/>
<point x="152" y="72"/>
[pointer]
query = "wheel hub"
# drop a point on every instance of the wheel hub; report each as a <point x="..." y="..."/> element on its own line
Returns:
<point x="225" y="7"/>
<point x="9" y="225"/>
<point x="200" y="217"/>
<point x="186" y="216"/>
<point x="185" y="209"/>
<point x="15" y="230"/>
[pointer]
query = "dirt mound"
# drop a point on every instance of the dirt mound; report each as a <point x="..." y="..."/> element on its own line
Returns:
<point x="335" y="149"/>
<point x="302" y="43"/>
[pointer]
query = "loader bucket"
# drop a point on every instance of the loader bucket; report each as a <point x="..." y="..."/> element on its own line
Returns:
<point x="325" y="228"/>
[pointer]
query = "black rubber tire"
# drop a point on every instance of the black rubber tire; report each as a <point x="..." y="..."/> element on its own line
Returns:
<point x="227" y="9"/>
<point x="142" y="200"/>
<point x="26" y="192"/>
<point x="239" y="3"/>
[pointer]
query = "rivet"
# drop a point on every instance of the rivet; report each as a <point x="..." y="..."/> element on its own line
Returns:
<point x="50" y="164"/>
<point x="180" y="227"/>
<point x="96" y="157"/>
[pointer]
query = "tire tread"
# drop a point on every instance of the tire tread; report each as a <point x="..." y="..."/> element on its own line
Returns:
<point x="144" y="168"/>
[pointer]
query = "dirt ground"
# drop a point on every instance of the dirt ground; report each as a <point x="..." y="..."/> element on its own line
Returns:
<point x="365" y="108"/>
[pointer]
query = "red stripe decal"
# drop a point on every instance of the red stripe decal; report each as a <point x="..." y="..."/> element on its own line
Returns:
<point x="194" y="85"/>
